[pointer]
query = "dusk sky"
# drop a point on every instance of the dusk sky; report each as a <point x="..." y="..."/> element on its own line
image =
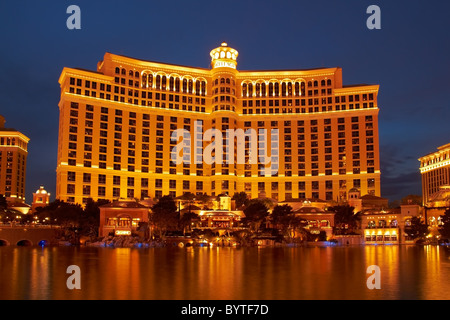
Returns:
<point x="409" y="58"/>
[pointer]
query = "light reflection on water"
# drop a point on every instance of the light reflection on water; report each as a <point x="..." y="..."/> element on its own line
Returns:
<point x="407" y="272"/>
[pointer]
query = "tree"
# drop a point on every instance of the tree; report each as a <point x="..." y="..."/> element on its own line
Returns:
<point x="205" y="200"/>
<point x="164" y="215"/>
<point x="255" y="213"/>
<point x="345" y="220"/>
<point x="61" y="213"/>
<point x="3" y="203"/>
<point x="186" y="220"/>
<point x="444" y="230"/>
<point x="241" y="199"/>
<point x="417" y="229"/>
<point x="289" y="224"/>
<point x="90" y="219"/>
<point x="67" y="215"/>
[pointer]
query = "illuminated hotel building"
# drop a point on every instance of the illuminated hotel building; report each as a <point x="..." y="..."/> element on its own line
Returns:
<point x="435" y="171"/>
<point x="13" y="163"/>
<point x="116" y="125"/>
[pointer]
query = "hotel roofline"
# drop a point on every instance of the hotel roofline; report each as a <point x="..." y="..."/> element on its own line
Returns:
<point x="138" y="63"/>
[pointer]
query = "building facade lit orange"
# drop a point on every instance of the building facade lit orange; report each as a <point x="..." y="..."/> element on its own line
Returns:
<point x="435" y="171"/>
<point x="13" y="163"/>
<point x="116" y="126"/>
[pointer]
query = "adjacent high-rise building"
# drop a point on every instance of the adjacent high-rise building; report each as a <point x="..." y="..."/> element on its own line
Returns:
<point x="13" y="163"/>
<point x="136" y="129"/>
<point x="435" y="171"/>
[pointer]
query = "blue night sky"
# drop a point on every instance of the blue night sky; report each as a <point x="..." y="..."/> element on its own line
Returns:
<point x="409" y="58"/>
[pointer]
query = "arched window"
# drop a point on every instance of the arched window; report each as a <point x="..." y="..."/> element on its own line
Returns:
<point x="283" y="89"/>
<point x="329" y="82"/>
<point x="297" y="88"/>
<point x="302" y="89"/>
<point x="203" y="88"/>
<point x="177" y="85"/>
<point x="271" y="89"/>
<point x="158" y="82"/>
<point x="124" y="72"/>
<point x="277" y="89"/>
<point x="144" y="80"/>
<point x="250" y="90"/>
<point x="322" y="83"/>
<point x="228" y="81"/>
<point x="222" y="80"/>
<point x="171" y="84"/>
<point x="117" y="70"/>
<point x="136" y="74"/>
<point x="263" y="89"/>
<point x="316" y="83"/>
<point x="150" y="80"/>
<point x="190" y="86"/>
<point x="244" y="90"/>
<point x="289" y="89"/>
<point x="130" y="73"/>
<point x="197" y="88"/>
<point x="163" y="82"/>
<point x="184" y="85"/>
<point x="258" y="89"/>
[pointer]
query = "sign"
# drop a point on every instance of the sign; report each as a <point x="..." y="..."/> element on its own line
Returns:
<point x="123" y="233"/>
<point x="224" y="64"/>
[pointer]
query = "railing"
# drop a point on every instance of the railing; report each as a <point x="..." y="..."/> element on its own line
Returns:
<point x="382" y="227"/>
<point x="21" y="226"/>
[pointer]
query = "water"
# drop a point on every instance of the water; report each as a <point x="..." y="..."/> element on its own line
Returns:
<point x="331" y="273"/>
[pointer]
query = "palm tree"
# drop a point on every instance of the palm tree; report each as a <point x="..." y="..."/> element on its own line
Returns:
<point x="241" y="199"/>
<point x="164" y="215"/>
<point x="417" y="229"/>
<point x="345" y="219"/>
<point x="290" y="225"/>
<point x="255" y="213"/>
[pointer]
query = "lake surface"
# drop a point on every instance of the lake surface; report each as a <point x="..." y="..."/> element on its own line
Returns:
<point x="303" y="273"/>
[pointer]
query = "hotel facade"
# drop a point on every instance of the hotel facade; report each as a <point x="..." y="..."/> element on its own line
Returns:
<point x="13" y="163"/>
<point x="316" y="138"/>
<point x="435" y="171"/>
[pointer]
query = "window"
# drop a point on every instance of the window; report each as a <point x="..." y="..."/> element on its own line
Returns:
<point x="102" y="179"/>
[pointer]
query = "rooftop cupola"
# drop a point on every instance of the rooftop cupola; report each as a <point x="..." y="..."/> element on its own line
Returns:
<point x="224" y="57"/>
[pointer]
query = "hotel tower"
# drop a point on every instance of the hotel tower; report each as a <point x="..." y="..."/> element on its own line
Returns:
<point x="13" y="163"/>
<point x="435" y="172"/>
<point x="285" y="134"/>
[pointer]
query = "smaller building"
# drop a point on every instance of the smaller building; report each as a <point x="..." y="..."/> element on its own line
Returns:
<point x="386" y="227"/>
<point x="222" y="216"/>
<point x="122" y="217"/>
<point x="41" y="198"/>
<point x="220" y="219"/>
<point x="366" y="202"/>
<point x="317" y="218"/>
<point x="19" y="207"/>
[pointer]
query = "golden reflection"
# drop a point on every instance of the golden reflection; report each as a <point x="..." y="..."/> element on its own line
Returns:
<point x="407" y="272"/>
